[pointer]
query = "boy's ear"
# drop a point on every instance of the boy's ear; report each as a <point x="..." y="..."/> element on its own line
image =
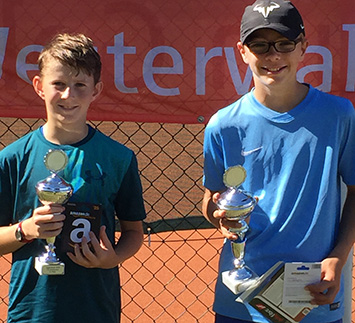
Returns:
<point x="242" y="52"/>
<point x="97" y="90"/>
<point x="37" y="85"/>
<point x="304" y="48"/>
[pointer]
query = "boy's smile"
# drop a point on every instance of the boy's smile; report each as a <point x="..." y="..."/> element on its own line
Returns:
<point x="273" y="70"/>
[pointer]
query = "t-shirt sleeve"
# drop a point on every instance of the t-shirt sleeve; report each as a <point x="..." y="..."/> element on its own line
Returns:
<point x="213" y="167"/>
<point x="129" y="202"/>
<point x="6" y="200"/>
<point x="347" y="156"/>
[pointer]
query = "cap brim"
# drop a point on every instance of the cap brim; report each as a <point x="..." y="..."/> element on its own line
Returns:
<point x="284" y="31"/>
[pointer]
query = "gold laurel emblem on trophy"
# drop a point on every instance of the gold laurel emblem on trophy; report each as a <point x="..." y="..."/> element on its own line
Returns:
<point x="234" y="176"/>
<point x="55" y="160"/>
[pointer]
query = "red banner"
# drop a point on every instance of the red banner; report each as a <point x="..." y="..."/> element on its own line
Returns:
<point x="164" y="60"/>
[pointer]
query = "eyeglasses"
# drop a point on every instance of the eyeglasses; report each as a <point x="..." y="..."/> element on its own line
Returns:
<point x="281" y="46"/>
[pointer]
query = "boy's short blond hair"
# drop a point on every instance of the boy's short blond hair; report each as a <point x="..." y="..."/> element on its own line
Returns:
<point x="73" y="50"/>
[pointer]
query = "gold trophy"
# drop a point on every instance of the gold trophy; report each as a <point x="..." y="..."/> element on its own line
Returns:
<point x="238" y="205"/>
<point x="52" y="190"/>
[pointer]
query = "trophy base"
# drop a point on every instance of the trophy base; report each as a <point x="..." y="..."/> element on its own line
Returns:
<point x="239" y="285"/>
<point x="49" y="268"/>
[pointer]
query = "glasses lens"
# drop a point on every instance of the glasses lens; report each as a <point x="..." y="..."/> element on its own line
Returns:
<point x="285" y="46"/>
<point x="259" y="47"/>
<point x="282" y="46"/>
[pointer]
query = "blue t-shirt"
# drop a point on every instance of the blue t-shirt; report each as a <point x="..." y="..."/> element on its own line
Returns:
<point x="101" y="171"/>
<point x="294" y="162"/>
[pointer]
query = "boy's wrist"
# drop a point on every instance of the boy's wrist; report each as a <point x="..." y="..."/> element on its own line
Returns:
<point x="20" y="235"/>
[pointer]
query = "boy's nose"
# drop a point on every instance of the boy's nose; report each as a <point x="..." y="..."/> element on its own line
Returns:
<point x="273" y="53"/>
<point x="66" y="93"/>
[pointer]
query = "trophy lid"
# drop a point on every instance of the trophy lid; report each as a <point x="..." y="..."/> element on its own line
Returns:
<point x="54" y="183"/>
<point x="236" y="199"/>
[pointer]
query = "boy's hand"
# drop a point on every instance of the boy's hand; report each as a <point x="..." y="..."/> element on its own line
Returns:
<point x="45" y="222"/>
<point x="325" y="291"/>
<point x="102" y="256"/>
<point x="224" y="223"/>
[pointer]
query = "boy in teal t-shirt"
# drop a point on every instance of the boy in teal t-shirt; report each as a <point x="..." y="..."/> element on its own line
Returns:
<point x="101" y="171"/>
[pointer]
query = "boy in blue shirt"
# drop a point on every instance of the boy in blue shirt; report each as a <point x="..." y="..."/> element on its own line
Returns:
<point x="296" y="144"/>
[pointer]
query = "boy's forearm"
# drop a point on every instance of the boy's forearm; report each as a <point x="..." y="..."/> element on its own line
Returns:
<point x="325" y="291"/>
<point x="346" y="234"/>
<point x="8" y="242"/>
<point x="208" y="207"/>
<point x="130" y="241"/>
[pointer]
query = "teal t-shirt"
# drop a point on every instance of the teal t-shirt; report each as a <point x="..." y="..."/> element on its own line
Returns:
<point x="295" y="162"/>
<point x="101" y="171"/>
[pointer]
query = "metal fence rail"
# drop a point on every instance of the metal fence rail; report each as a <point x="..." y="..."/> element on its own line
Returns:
<point x="171" y="279"/>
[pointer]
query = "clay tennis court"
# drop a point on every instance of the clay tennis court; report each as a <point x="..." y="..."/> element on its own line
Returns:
<point x="170" y="280"/>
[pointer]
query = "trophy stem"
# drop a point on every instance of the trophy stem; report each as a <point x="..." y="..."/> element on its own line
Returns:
<point x="50" y="240"/>
<point x="238" y="247"/>
<point x="240" y="271"/>
<point x="50" y="247"/>
<point x="50" y="256"/>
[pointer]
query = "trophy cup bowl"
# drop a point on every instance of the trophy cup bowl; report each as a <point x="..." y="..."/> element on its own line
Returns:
<point x="238" y="205"/>
<point x="52" y="190"/>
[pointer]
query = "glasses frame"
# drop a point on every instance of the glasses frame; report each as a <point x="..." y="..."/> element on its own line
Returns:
<point x="274" y="44"/>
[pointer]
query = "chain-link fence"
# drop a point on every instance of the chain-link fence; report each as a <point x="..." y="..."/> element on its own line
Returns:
<point x="171" y="279"/>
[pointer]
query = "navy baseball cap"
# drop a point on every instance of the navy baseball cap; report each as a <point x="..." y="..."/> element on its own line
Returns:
<point x="278" y="15"/>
